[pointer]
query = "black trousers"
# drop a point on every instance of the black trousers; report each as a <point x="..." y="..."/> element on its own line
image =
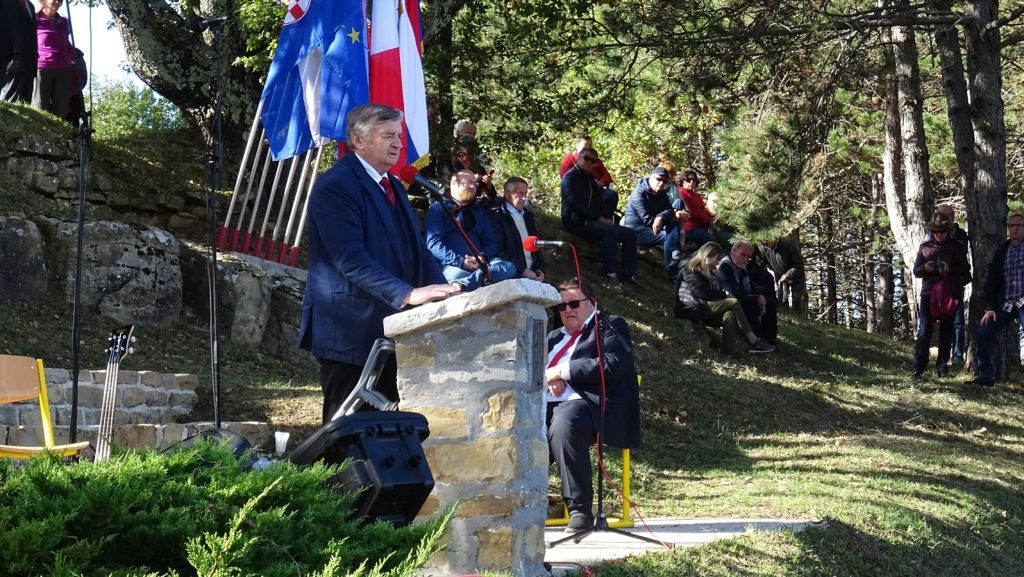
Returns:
<point x="610" y="236"/>
<point x="337" y="380"/>
<point x="572" y="428"/>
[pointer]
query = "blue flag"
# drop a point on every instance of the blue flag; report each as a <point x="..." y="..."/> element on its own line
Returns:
<point x="319" y="73"/>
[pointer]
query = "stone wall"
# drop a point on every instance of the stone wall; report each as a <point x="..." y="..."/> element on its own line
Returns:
<point x="150" y="411"/>
<point x="473" y="365"/>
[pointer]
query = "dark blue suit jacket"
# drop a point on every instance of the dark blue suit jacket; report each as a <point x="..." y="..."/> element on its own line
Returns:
<point x="364" y="258"/>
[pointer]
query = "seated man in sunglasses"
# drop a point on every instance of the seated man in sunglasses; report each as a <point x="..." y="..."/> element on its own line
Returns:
<point x="576" y="380"/>
<point x="585" y="215"/>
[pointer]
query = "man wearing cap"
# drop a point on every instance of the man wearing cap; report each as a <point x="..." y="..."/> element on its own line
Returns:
<point x="650" y="215"/>
<point x="585" y="215"/>
<point x="938" y="259"/>
<point x="1003" y="296"/>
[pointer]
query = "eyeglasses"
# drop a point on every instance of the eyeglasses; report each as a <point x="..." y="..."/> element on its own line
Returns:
<point x="1016" y="225"/>
<point x="661" y="178"/>
<point x="690" y="179"/>
<point x="744" y="254"/>
<point x="560" y="307"/>
<point x="589" y="158"/>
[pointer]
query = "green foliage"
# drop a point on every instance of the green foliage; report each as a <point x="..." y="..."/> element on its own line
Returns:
<point x="122" y="110"/>
<point x="193" y="512"/>
<point x="261" y="20"/>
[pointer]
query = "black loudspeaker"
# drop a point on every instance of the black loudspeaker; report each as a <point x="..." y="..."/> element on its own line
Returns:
<point x="388" y="462"/>
<point x="237" y="444"/>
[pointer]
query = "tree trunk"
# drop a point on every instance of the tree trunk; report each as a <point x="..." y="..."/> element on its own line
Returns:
<point x="180" y="65"/>
<point x="870" y="286"/>
<point x="886" y="291"/>
<point x="908" y="192"/>
<point x="986" y="207"/>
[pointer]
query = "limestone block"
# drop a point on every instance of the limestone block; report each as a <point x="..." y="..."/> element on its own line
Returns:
<point x="89" y="395"/>
<point x="132" y="273"/>
<point x="420" y="354"/>
<point x="243" y="292"/>
<point x="443" y="422"/>
<point x="258" y="433"/>
<point x="460" y="306"/>
<point x="184" y="381"/>
<point x="487" y="505"/>
<point x="534" y="543"/>
<point x="171" y="434"/>
<point x="430" y="507"/>
<point x="538" y="454"/>
<point x="182" y="398"/>
<point x="134" y="437"/>
<point x="29" y="415"/>
<point x="22" y="260"/>
<point x="87" y="417"/>
<point x="56" y="377"/>
<point x="127" y="377"/>
<point x="486" y="460"/>
<point x="500" y="415"/>
<point x="495" y="548"/>
<point x="282" y="333"/>
<point x="151" y="378"/>
<point x="25" y="436"/>
<point x="131" y="396"/>
<point x="156" y="397"/>
<point x="9" y="415"/>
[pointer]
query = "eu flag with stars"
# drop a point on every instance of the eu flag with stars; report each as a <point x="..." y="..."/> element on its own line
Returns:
<point x="319" y="73"/>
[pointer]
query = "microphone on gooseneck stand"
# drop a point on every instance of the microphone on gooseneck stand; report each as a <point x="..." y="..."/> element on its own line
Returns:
<point x="411" y="175"/>
<point x="531" y="244"/>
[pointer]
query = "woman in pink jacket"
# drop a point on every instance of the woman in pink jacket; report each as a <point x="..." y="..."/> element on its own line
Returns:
<point x="53" y="69"/>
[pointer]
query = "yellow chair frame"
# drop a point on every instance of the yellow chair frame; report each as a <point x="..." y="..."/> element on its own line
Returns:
<point x="23" y="379"/>
<point x="624" y="522"/>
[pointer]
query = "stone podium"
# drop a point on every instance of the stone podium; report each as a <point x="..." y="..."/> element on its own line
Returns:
<point x="473" y="365"/>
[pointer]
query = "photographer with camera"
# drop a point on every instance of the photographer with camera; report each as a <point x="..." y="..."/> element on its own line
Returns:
<point x="941" y="263"/>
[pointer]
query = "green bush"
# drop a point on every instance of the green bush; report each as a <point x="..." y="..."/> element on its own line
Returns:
<point x="194" y="512"/>
<point x="122" y="109"/>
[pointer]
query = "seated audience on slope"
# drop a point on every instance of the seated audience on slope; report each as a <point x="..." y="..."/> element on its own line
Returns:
<point x="753" y="287"/>
<point x="697" y="219"/>
<point x="513" y="222"/>
<point x="650" y="215"/>
<point x="700" y="299"/>
<point x="596" y="169"/>
<point x="458" y="262"/>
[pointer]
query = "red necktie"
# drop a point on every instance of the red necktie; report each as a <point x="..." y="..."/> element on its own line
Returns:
<point x="561" y="352"/>
<point x="386" y="183"/>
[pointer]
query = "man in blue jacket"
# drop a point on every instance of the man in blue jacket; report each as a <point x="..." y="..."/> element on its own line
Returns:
<point x="366" y="257"/>
<point x="650" y="214"/>
<point x="450" y="223"/>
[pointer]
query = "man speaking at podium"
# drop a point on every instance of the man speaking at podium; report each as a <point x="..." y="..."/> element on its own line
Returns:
<point x="367" y="259"/>
<point x="574" y="395"/>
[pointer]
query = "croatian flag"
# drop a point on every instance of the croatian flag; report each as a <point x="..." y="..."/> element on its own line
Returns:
<point x="396" y="71"/>
<point x="319" y="73"/>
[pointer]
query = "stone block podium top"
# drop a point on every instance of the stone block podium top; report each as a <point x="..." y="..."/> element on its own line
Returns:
<point x="461" y="305"/>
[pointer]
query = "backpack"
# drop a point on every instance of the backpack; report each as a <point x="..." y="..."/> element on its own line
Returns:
<point x="944" y="299"/>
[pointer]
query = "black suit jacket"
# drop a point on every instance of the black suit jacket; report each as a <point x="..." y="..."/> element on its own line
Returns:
<point x="18" y="39"/>
<point x="622" y="409"/>
<point x="510" y="244"/>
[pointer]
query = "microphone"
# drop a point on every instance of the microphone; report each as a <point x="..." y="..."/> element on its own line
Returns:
<point x="198" y="23"/>
<point x="531" y="244"/>
<point x="411" y="175"/>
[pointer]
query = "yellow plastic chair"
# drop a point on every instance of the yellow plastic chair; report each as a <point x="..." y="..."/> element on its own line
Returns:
<point x="23" y="379"/>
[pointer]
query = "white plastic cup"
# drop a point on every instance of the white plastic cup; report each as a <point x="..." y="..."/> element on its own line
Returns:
<point x="281" y="441"/>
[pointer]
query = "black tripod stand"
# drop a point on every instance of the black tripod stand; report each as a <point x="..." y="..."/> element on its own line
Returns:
<point x="601" y="520"/>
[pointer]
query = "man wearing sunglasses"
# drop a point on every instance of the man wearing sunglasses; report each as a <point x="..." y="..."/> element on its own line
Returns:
<point x="650" y="215"/>
<point x="699" y="220"/>
<point x="585" y="215"/>
<point x="574" y="390"/>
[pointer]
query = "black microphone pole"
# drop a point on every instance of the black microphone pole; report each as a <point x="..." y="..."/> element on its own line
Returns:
<point x="84" y="154"/>
<point x="214" y="160"/>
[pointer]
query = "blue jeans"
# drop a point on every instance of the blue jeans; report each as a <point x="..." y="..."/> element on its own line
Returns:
<point x="959" y="332"/>
<point x="985" y="334"/>
<point x="500" y="270"/>
<point x="668" y="238"/>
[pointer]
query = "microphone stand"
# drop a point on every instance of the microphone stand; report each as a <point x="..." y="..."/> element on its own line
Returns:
<point x="213" y="160"/>
<point x="477" y="255"/>
<point x="85" y="131"/>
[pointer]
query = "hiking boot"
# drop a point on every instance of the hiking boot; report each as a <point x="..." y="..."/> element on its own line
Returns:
<point x="916" y="377"/>
<point x="579" y="522"/>
<point x="943" y="373"/>
<point x="761" y="346"/>
<point x="958" y="361"/>
<point x="984" y="381"/>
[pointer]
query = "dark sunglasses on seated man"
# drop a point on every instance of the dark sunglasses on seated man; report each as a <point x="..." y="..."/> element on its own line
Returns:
<point x="560" y="307"/>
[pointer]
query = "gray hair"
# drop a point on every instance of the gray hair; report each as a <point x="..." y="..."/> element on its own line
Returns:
<point x="362" y="118"/>
<point x="514" y="181"/>
<point x="461" y="125"/>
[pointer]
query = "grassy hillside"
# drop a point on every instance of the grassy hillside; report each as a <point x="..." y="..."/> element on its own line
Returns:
<point x="912" y="478"/>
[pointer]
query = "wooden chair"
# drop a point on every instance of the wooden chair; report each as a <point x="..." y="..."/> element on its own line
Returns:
<point x="23" y="379"/>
